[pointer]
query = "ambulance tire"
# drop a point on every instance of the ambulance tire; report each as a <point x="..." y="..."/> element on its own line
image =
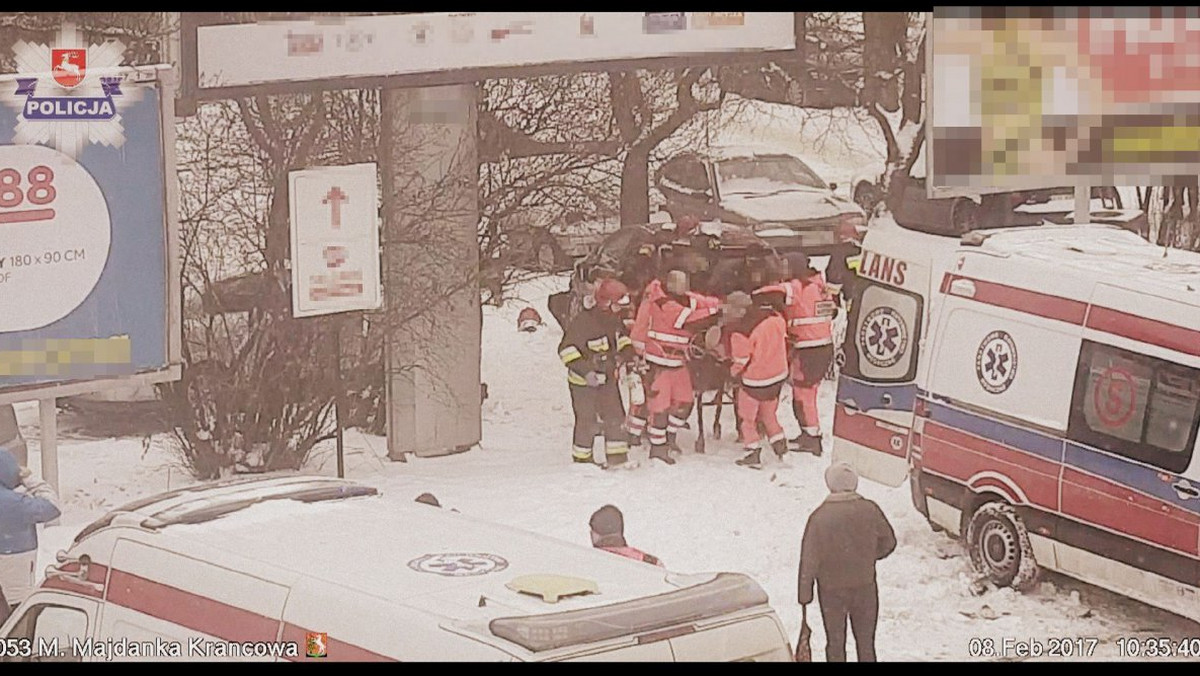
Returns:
<point x="998" y="544"/>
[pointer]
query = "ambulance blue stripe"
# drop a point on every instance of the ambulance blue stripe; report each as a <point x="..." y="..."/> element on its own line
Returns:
<point x="1018" y="438"/>
<point x="869" y="396"/>
<point x="1137" y="477"/>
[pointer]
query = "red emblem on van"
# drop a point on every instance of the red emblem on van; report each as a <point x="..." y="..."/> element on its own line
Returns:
<point x="316" y="644"/>
<point x="70" y="66"/>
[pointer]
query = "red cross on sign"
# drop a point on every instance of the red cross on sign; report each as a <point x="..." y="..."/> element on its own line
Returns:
<point x="335" y="198"/>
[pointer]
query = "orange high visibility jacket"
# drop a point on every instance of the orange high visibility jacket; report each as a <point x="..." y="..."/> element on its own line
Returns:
<point x="808" y="309"/>
<point x="662" y="329"/>
<point x="760" y="358"/>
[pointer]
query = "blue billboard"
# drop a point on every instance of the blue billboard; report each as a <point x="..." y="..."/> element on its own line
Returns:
<point x="84" y="260"/>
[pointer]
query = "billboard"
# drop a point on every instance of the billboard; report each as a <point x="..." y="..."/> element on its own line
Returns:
<point x="1053" y="96"/>
<point x="331" y="49"/>
<point x="335" y="239"/>
<point x="89" y="285"/>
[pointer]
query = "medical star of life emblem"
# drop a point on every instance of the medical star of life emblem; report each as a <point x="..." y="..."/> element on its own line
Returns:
<point x="996" y="362"/>
<point x="883" y="337"/>
<point x="71" y="94"/>
<point x="458" y="565"/>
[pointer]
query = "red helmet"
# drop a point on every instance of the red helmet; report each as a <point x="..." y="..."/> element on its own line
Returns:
<point x="612" y="292"/>
<point x="528" y="320"/>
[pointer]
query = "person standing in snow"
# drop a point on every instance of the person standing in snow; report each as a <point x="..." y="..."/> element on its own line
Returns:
<point x="843" y="539"/>
<point x="669" y="315"/>
<point x="592" y="343"/>
<point x="608" y="533"/>
<point x="758" y="352"/>
<point x="809" y="309"/>
<point x="25" y="501"/>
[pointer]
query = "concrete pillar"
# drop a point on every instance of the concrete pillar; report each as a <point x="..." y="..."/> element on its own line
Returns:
<point x="430" y="175"/>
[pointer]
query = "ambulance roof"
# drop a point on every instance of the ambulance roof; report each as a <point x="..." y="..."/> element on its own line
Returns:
<point x="1088" y="252"/>
<point x="413" y="554"/>
<point x="1100" y="253"/>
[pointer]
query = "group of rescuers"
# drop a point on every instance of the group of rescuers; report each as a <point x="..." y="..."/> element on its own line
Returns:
<point x="779" y="332"/>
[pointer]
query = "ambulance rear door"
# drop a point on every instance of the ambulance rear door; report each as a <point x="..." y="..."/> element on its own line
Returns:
<point x="877" y="389"/>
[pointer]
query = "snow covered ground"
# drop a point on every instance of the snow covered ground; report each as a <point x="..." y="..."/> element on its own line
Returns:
<point x="703" y="514"/>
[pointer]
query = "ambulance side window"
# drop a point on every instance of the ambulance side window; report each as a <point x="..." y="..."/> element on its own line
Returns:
<point x="884" y="330"/>
<point x="1137" y="406"/>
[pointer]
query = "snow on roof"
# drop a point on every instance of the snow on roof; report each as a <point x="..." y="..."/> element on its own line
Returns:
<point x="376" y="545"/>
<point x="1105" y="253"/>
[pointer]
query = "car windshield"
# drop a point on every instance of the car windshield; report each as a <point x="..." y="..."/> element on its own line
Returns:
<point x="766" y="174"/>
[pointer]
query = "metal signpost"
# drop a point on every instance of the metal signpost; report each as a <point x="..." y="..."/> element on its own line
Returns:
<point x="89" y="265"/>
<point x="335" y="253"/>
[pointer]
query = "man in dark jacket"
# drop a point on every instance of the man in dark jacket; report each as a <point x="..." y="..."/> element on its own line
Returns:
<point x="593" y="342"/>
<point x="844" y="538"/>
<point x="25" y="502"/>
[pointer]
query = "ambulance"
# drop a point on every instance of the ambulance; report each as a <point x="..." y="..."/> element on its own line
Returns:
<point x="317" y="569"/>
<point x="1039" y="387"/>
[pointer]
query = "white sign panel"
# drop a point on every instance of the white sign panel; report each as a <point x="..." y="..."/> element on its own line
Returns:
<point x="54" y="236"/>
<point x="335" y="240"/>
<point x="407" y="44"/>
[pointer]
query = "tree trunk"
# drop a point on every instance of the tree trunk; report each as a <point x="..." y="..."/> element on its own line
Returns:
<point x="635" y="186"/>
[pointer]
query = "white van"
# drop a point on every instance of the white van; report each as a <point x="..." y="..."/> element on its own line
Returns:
<point x="309" y="568"/>
<point x="1040" y="389"/>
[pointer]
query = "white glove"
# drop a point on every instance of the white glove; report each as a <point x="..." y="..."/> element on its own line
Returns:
<point x="595" y="379"/>
<point x="637" y="393"/>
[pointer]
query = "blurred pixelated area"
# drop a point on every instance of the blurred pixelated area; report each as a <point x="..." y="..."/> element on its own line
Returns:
<point x="1028" y="97"/>
<point x="67" y="358"/>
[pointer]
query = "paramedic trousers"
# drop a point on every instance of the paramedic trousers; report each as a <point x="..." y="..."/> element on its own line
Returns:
<point x="757" y="406"/>
<point x="598" y="412"/>
<point x="858" y="604"/>
<point x="670" y="399"/>
<point x="809" y="366"/>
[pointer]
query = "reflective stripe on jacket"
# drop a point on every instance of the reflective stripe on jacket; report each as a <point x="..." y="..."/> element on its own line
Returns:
<point x="663" y="327"/>
<point x="808" y="309"/>
<point x="760" y="358"/>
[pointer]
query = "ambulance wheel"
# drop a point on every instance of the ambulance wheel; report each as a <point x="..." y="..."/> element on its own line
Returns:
<point x="999" y="547"/>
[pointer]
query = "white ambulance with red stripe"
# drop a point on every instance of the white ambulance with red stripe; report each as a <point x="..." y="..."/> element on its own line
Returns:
<point x="1040" y="389"/>
<point x="317" y="569"/>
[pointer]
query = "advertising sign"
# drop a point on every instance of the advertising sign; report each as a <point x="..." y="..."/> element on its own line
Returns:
<point x="87" y="274"/>
<point x="335" y="240"/>
<point x="238" y="55"/>
<point x="1038" y="97"/>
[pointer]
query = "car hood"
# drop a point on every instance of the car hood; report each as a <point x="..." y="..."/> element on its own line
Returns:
<point x="787" y="207"/>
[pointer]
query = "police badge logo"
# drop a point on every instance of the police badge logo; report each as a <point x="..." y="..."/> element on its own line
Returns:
<point x="458" y="565"/>
<point x="996" y="362"/>
<point x="67" y="95"/>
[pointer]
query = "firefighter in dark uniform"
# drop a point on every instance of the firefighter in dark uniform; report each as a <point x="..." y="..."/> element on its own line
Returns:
<point x="593" y="343"/>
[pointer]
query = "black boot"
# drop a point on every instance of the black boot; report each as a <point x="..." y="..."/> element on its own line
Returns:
<point x="780" y="447"/>
<point x="672" y="444"/>
<point x="809" y="443"/>
<point x="614" y="460"/>
<point x="659" y="452"/>
<point x="635" y="441"/>
<point x="752" y="459"/>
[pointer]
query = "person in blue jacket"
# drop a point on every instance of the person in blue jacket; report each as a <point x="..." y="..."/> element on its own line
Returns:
<point x="25" y="502"/>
